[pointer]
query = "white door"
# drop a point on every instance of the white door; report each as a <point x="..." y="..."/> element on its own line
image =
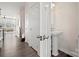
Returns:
<point x="45" y="30"/>
<point x="38" y="29"/>
<point x="33" y="27"/>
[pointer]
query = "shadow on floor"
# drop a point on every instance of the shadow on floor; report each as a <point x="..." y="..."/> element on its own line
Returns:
<point x="62" y="54"/>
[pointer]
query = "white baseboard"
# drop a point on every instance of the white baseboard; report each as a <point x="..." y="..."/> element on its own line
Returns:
<point x="74" y="54"/>
<point x="31" y="46"/>
<point x="27" y="42"/>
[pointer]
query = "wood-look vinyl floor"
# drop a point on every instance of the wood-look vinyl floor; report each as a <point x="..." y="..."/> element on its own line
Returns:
<point x="15" y="48"/>
<point x="20" y="50"/>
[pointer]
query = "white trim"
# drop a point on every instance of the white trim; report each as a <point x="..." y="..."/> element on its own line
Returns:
<point x="32" y="47"/>
<point x="72" y="53"/>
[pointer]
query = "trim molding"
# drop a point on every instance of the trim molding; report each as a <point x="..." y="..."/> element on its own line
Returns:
<point x="74" y="54"/>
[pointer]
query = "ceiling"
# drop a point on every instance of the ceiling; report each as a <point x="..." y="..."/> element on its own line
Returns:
<point x="11" y="8"/>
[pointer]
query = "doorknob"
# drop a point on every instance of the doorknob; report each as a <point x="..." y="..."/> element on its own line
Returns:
<point x="45" y="37"/>
<point x="42" y="37"/>
<point x="39" y="37"/>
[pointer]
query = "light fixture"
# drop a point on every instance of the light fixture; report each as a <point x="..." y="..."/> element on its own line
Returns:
<point x="46" y="5"/>
<point x="52" y="5"/>
<point x="4" y="17"/>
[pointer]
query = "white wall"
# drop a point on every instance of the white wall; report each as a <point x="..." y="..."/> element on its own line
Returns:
<point x="66" y="18"/>
<point x="22" y="19"/>
<point x="12" y="9"/>
<point x="32" y="24"/>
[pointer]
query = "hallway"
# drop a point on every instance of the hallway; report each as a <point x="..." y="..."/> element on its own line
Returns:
<point x="14" y="48"/>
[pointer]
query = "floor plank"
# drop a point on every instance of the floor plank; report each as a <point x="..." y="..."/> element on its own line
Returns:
<point x="15" y="48"/>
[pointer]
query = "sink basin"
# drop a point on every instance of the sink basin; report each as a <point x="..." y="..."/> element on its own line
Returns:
<point x="56" y="33"/>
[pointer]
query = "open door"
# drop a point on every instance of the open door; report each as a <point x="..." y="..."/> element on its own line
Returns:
<point x="45" y="29"/>
<point x="39" y="27"/>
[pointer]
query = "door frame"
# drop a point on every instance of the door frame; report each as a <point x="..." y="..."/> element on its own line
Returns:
<point x="47" y="32"/>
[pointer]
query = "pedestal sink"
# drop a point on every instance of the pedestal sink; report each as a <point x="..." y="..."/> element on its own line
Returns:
<point x="54" y="42"/>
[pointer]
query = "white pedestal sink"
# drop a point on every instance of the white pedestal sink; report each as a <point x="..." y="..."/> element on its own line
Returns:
<point x="55" y="42"/>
